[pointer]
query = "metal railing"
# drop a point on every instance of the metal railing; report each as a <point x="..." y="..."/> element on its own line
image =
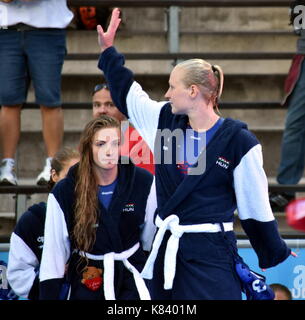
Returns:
<point x="180" y="3"/>
<point x="222" y="105"/>
<point x="189" y="55"/>
<point x="23" y="192"/>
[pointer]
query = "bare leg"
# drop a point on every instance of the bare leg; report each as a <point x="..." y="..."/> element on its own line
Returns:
<point x="10" y="130"/>
<point x="52" y="128"/>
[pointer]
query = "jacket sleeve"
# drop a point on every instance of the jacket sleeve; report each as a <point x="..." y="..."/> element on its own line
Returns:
<point x="257" y="219"/>
<point x="149" y="228"/>
<point x="22" y="269"/>
<point x="56" y="251"/>
<point x="129" y="96"/>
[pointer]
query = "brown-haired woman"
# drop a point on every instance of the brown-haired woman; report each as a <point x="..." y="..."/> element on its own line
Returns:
<point x="26" y="241"/>
<point x="96" y="218"/>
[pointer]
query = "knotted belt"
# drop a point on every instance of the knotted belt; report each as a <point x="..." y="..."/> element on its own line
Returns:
<point x="108" y="260"/>
<point x="172" y="223"/>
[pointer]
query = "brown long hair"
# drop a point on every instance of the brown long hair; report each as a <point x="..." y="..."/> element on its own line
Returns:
<point x="86" y="206"/>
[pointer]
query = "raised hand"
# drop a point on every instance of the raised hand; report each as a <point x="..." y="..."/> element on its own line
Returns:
<point x="106" y="39"/>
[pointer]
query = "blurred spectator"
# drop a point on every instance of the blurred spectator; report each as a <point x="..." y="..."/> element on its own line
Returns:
<point x="27" y="239"/>
<point x="281" y="292"/>
<point x="87" y="18"/>
<point x="292" y="161"/>
<point x="133" y="145"/>
<point x="33" y="47"/>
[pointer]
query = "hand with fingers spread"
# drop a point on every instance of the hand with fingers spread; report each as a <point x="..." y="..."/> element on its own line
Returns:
<point x="106" y="39"/>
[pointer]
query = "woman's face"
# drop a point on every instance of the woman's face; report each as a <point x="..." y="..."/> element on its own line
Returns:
<point x="106" y="148"/>
<point x="177" y="93"/>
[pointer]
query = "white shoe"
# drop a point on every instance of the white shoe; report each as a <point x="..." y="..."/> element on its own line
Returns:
<point x="44" y="176"/>
<point x="7" y="173"/>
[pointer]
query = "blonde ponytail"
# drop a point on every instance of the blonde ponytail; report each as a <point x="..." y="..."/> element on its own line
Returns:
<point x="209" y="78"/>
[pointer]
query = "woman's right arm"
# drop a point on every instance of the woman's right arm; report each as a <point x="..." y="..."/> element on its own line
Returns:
<point x="127" y="94"/>
<point x="129" y="97"/>
<point x="56" y="251"/>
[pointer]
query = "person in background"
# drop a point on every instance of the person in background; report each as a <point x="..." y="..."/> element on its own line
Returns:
<point x="90" y="17"/>
<point x="281" y="292"/>
<point x="33" y="48"/>
<point x="26" y="241"/>
<point x="291" y="167"/>
<point x="99" y="222"/>
<point x="133" y="145"/>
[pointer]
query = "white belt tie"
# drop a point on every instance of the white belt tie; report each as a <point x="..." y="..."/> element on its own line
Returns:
<point x="172" y="223"/>
<point x="108" y="260"/>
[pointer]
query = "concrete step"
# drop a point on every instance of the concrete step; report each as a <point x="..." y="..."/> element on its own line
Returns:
<point x="209" y="18"/>
<point x="7" y="215"/>
<point x="83" y="41"/>
<point x="238" y="87"/>
<point x="31" y="151"/>
<point x="267" y="125"/>
<point x="238" y="42"/>
<point x="229" y="19"/>
<point x="75" y="120"/>
<point x="164" y="67"/>
<point x="8" y="201"/>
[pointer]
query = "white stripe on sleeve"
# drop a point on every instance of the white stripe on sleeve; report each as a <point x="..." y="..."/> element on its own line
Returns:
<point x="56" y="247"/>
<point x="143" y="113"/>
<point x="251" y="187"/>
<point x="21" y="266"/>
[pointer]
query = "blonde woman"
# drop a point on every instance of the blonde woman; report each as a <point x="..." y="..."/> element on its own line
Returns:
<point x="207" y="167"/>
<point x="99" y="222"/>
